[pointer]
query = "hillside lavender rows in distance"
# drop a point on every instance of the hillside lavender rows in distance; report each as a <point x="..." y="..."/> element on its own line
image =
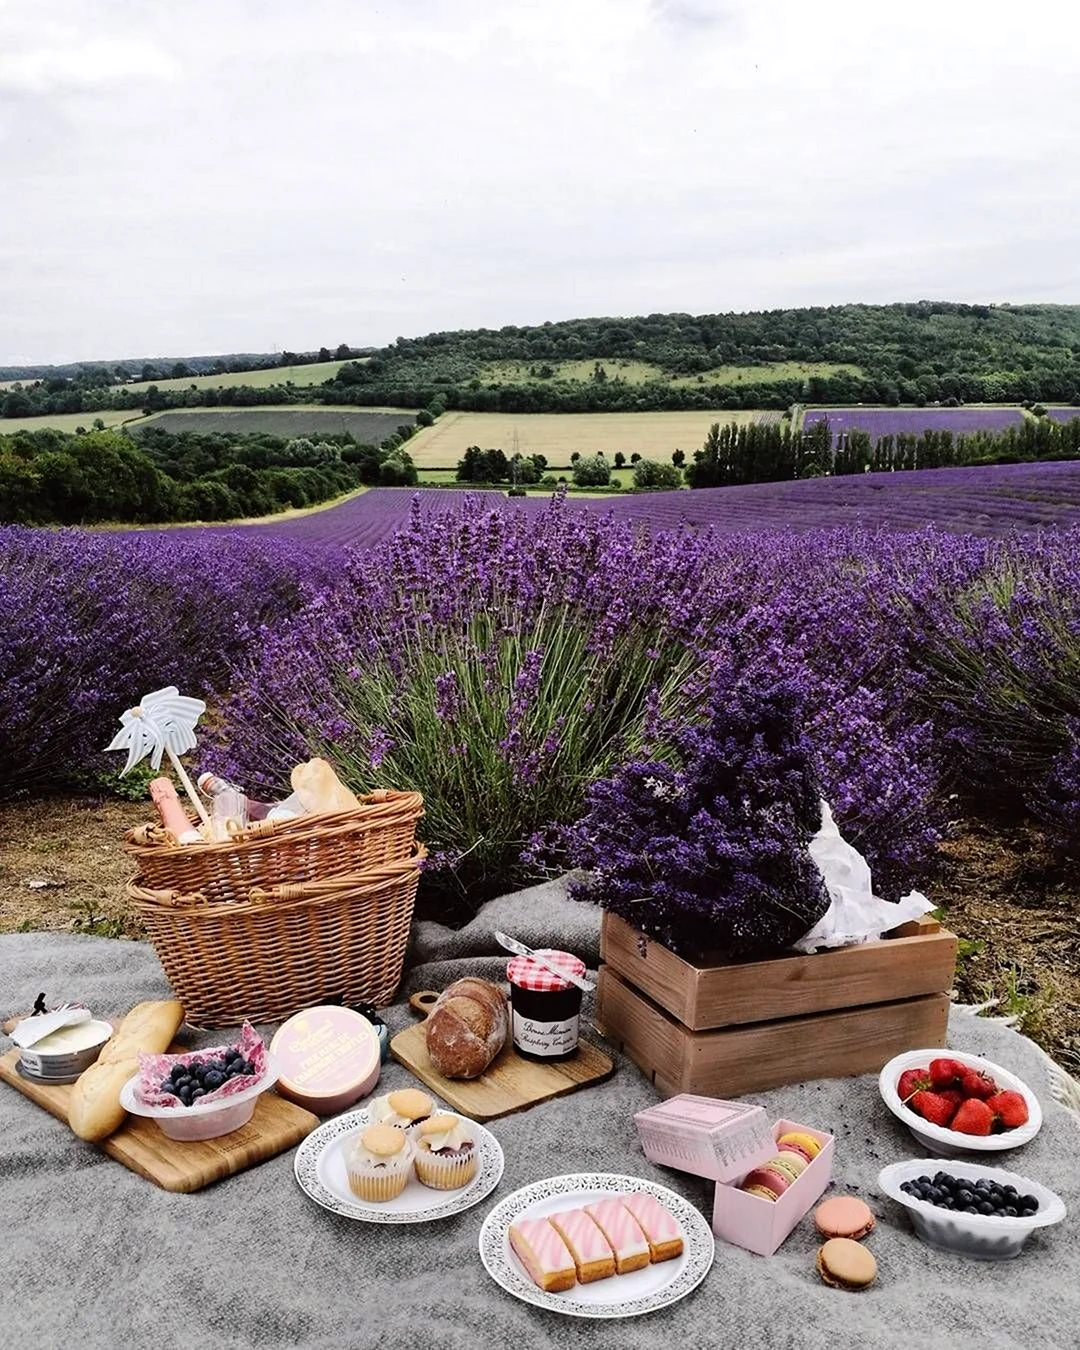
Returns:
<point x="912" y="421"/>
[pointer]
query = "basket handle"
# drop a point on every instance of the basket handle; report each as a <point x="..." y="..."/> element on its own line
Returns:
<point x="174" y="899"/>
<point x="423" y="1001"/>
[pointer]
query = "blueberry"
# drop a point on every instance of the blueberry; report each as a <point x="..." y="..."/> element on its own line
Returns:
<point x="1009" y="1190"/>
<point x="1029" y="1200"/>
<point x="985" y="1207"/>
<point x="1010" y="1212"/>
<point x="213" y="1080"/>
<point x="966" y="1197"/>
<point x="199" y="1092"/>
<point x="178" y="1072"/>
<point x="247" y="1067"/>
<point x="971" y="1209"/>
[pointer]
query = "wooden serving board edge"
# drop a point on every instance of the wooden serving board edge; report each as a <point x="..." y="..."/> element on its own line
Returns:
<point x="451" y="1090"/>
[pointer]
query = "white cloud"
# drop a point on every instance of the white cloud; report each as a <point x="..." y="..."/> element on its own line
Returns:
<point x="259" y="173"/>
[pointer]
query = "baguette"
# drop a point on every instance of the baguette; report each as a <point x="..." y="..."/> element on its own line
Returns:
<point x="95" y="1111"/>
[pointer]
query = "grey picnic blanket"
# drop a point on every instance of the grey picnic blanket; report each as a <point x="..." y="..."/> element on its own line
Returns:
<point x="95" y="1256"/>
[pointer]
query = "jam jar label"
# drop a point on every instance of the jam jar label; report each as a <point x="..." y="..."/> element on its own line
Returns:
<point x="545" y="1038"/>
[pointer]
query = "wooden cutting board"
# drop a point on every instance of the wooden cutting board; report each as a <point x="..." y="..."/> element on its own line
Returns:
<point x="170" y="1163"/>
<point x="509" y="1083"/>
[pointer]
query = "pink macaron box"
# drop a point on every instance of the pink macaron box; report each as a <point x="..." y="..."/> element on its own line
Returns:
<point x="705" y="1136"/>
<point x="761" y="1225"/>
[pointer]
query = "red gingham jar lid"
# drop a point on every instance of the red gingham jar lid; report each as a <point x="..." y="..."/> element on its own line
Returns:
<point x="527" y="973"/>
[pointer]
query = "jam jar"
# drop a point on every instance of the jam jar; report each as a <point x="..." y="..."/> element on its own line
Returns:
<point x="545" y="1008"/>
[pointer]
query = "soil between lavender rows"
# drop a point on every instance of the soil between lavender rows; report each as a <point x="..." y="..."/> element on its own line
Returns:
<point x="1014" y="905"/>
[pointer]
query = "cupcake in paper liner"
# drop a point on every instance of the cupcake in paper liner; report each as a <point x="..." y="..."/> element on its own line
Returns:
<point x="445" y="1153"/>
<point x="379" y="1163"/>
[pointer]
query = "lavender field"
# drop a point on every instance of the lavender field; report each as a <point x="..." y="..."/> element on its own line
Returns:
<point x="982" y="501"/>
<point x="913" y="421"/>
<point x="479" y="647"/>
<point x="1062" y="414"/>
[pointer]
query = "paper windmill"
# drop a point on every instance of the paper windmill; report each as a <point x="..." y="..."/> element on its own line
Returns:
<point x="163" y="723"/>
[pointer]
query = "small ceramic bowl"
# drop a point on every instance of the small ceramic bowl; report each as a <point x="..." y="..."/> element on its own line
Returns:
<point x="986" y="1237"/>
<point x="945" y="1143"/>
<point x="199" y="1121"/>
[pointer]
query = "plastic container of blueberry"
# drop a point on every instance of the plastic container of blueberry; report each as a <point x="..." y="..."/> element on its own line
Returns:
<point x="946" y="1220"/>
<point x="201" y="1121"/>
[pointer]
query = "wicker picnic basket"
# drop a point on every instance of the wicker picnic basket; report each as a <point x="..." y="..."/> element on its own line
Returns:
<point x="282" y="948"/>
<point x="269" y="854"/>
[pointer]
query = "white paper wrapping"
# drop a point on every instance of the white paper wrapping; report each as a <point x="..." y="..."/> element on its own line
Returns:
<point x="856" y="914"/>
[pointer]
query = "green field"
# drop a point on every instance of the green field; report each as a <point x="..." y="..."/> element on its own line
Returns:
<point x="653" y="435"/>
<point x="642" y="372"/>
<point x="66" y="421"/>
<point x="440" y="477"/>
<point x="316" y="373"/>
<point x="289" y="419"/>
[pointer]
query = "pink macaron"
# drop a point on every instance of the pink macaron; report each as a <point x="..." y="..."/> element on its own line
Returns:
<point x="768" y="1177"/>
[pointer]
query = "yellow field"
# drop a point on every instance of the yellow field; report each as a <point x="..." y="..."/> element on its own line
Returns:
<point x="653" y="435"/>
<point x="67" y="421"/>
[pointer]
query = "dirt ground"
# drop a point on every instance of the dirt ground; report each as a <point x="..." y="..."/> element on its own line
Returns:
<point x="1014" y="905"/>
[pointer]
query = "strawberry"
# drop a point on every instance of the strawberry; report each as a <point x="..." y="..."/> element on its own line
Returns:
<point x="910" y="1082"/>
<point x="932" y="1106"/>
<point x="953" y="1095"/>
<point x="1010" y="1108"/>
<point x="975" y="1084"/>
<point x="944" y="1073"/>
<point x="973" y="1117"/>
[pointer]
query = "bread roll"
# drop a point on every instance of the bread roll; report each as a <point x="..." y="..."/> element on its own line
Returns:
<point x="467" y="1028"/>
<point x="95" y="1110"/>
<point x="320" y="789"/>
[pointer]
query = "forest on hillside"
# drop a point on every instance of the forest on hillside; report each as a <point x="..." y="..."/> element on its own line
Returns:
<point x="922" y="353"/>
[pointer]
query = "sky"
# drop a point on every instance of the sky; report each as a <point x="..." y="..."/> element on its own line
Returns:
<point x="253" y="175"/>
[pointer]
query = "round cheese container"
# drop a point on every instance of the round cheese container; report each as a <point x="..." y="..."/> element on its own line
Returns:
<point x="328" y="1057"/>
<point x="62" y="1056"/>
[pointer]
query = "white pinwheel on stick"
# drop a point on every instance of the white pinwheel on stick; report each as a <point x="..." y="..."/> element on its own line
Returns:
<point x="163" y="723"/>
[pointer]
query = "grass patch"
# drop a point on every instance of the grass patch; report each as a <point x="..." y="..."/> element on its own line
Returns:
<point x="316" y="372"/>
<point x="112" y="417"/>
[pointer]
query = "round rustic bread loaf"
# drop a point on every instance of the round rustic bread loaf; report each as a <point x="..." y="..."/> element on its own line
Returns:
<point x="467" y="1028"/>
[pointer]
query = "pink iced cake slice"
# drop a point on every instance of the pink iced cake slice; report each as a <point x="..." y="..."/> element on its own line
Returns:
<point x="593" y="1257"/>
<point x="623" y="1233"/>
<point x="661" y="1229"/>
<point x="544" y="1254"/>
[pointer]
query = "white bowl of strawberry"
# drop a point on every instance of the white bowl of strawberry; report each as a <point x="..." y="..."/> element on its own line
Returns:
<point x="956" y="1103"/>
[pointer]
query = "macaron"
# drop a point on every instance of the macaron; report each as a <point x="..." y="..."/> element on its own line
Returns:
<point x="845" y="1264"/>
<point x="772" y="1178"/>
<point x="800" y="1142"/>
<point x="843" y="1216"/>
<point x="788" y="1165"/>
<point x="762" y="1192"/>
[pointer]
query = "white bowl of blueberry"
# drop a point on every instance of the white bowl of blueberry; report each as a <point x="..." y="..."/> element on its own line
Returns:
<point x="200" y="1095"/>
<point x="967" y="1208"/>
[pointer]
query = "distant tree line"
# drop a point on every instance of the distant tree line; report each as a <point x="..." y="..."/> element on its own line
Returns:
<point x="52" y="478"/>
<point x="737" y="454"/>
<point x="104" y="372"/>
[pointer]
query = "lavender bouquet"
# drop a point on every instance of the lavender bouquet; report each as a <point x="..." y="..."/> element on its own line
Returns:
<point x="708" y="851"/>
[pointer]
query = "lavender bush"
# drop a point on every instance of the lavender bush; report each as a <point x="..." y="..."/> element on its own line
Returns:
<point x="89" y="623"/>
<point x="501" y="662"/>
<point x="707" y="849"/>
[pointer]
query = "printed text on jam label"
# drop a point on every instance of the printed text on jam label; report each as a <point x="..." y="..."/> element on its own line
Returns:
<point x="545" y="1038"/>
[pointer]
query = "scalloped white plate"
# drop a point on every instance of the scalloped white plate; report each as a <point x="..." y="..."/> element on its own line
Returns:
<point x="642" y="1291"/>
<point x="320" y="1170"/>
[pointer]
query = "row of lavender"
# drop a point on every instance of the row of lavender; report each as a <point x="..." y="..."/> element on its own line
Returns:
<point x="499" y="659"/>
<point x="914" y="421"/>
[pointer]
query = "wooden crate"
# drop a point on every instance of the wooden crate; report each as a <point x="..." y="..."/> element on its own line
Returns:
<point x="736" y="1027"/>
<point x="918" y="959"/>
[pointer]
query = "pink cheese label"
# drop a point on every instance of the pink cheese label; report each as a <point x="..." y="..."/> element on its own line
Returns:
<point x="327" y="1050"/>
